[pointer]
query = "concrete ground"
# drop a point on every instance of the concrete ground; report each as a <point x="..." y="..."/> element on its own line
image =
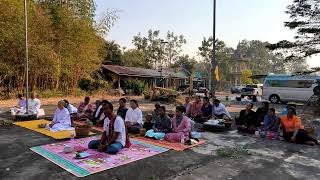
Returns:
<point x="248" y="158"/>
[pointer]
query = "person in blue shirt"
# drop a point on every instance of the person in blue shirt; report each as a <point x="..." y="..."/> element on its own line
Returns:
<point x="271" y="122"/>
<point x="289" y="105"/>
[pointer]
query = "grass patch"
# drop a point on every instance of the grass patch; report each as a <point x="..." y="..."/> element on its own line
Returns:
<point x="236" y="152"/>
<point x="6" y="123"/>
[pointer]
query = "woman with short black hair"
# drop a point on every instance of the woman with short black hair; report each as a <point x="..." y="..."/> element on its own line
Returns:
<point x="181" y="127"/>
<point x="133" y="119"/>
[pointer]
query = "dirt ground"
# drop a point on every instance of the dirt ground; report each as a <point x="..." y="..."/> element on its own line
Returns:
<point x="258" y="159"/>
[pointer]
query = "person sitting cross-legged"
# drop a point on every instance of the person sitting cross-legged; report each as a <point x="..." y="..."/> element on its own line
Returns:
<point x="85" y="109"/>
<point x="161" y="126"/>
<point x="187" y="105"/>
<point x="133" y="118"/>
<point x="271" y="122"/>
<point x="155" y="113"/>
<point x="122" y="110"/>
<point x="61" y="120"/>
<point x="293" y="130"/>
<point x="114" y="137"/>
<point x="195" y="110"/>
<point x="181" y="127"/>
<point x="247" y="120"/>
<point x="73" y="111"/>
<point x="147" y="124"/>
<point x="220" y="111"/>
<point x="261" y="112"/>
<point x="206" y="110"/>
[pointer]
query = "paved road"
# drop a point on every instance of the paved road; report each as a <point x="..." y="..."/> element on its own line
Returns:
<point x="266" y="160"/>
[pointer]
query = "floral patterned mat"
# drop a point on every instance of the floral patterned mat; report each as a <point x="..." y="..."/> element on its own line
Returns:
<point x="97" y="161"/>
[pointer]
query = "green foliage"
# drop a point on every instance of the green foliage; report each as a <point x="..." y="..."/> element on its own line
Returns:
<point x="158" y="51"/>
<point x="63" y="44"/>
<point x="135" y="58"/>
<point x="111" y="53"/>
<point x="94" y="83"/>
<point x="245" y="77"/>
<point x="304" y="15"/>
<point x="184" y="62"/>
<point x="137" y="86"/>
<point x="223" y="57"/>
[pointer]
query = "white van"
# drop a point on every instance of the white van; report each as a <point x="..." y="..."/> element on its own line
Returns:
<point x="289" y="87"/>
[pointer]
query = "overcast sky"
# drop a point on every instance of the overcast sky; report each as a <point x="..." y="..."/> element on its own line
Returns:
<point x="236" y="20"/>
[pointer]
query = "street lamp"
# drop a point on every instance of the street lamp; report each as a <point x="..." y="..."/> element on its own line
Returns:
<point x="26" y="56"/>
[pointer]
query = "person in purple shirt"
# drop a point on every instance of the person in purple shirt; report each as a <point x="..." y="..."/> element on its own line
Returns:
<point x="21" y="101"/>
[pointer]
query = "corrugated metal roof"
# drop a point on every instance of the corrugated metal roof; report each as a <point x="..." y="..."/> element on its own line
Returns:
<point x="141" y="72"/>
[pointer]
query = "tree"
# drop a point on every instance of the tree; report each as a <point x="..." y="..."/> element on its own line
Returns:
<point x="305" y="20"/>
<point x="81" y="8"/>
<point x="173" y="48"/>
<point x="245" y="77"/>
<point x="184" y="62"/>
<point x="261" y="60"/>
<point x="135" y="58"/>
<point x="159" y="51"/>
<point x="223" y="56"/>
<point x="111" y="53"/>
<point x="63" y="44"/>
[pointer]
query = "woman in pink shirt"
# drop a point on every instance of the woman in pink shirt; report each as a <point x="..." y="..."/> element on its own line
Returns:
<point x="181" y="127"/>
<point x="195" y="110"/>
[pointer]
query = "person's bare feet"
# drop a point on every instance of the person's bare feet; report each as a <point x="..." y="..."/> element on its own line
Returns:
<point x="310" y="143"/>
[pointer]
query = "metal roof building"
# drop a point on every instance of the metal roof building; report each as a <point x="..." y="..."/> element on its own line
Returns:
<point x="141" y="72"/>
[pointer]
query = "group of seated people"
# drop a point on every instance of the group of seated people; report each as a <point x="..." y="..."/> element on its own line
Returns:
<point x="160" y="126"/>
<point x="117" y="126"/>
<point x="265" y="121"/>
<point x="203" y="111"/>
<point x="34" y="105"/>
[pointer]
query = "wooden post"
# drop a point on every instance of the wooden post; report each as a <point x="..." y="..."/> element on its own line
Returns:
<point x="119" y="85"/>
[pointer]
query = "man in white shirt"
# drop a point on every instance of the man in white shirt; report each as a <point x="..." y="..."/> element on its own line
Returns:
<point x="61" y="120"/>
<point x="114" y="135"/>
<point x="133" y="118"/>
<point x="220" y="111"/>
<point x="70" y="107"/>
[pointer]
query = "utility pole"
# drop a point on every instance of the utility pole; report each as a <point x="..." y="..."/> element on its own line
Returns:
<point x="26" y="56"/>
<point x="213" y="60"/>
<point x="162" y="42"/>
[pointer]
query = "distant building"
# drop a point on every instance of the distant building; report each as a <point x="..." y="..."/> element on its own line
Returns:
<point x="119" y="74"/>
<point x="237" y="64"/>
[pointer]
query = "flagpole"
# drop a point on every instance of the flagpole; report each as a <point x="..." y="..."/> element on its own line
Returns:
<point x="213" y="60"/>
<point x="26" y="56"/>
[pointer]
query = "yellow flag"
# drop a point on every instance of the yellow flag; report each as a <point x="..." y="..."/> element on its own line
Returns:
<point x="216" y="71"/>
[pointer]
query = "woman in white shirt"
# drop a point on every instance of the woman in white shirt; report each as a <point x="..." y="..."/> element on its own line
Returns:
<point x="133" y="118"/>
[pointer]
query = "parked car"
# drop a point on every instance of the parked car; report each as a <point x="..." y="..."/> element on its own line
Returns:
<point x="252" y="91"/>
<point x="236" y="89"/>
<point x="285" y="88"/>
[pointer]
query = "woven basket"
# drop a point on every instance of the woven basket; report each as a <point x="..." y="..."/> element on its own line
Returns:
<point x="82" y="131"/>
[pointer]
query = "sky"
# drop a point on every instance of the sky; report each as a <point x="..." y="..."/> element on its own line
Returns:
<point x="236" y="20"/>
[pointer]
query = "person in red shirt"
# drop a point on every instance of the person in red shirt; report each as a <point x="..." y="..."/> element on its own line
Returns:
<point x="195" y="110"/>
<point x="293" y="130"/>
